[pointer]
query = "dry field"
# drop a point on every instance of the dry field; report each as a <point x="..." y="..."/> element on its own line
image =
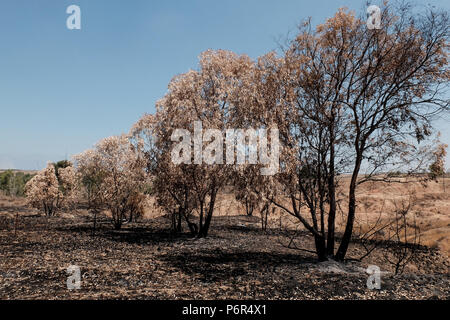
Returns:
<point x="237" y="261"/>
<point x="377" y="201"/>
<point x="431" y="208"/>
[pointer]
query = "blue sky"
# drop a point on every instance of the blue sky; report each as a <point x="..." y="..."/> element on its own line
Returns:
<point x="62" y="90"/>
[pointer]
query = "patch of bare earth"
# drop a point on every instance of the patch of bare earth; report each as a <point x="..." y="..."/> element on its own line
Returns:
<point x="145" y="261"/>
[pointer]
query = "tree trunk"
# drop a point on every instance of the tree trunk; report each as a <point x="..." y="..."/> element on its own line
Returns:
<point x="179" y="227"/>
<point x="342" y="251"/>
<point x="204" y="230"/>
<point x="200" y="224"/>
<point x="192" y="226"/>
<point x="131" y="216"/>
<point x="320" y="248"/>
<point x="332" y="212"/>
<point x="203" y="233"/>
<point x="248" y="208"/>
<point x="117" y="219"/>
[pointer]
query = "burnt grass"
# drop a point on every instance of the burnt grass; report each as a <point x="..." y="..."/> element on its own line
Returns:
<point x="237" y="261"/>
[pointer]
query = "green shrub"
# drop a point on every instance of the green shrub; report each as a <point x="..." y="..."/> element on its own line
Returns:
<point x="13" y="183"/>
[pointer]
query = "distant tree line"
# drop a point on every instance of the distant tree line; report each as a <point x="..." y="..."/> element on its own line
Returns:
<point x="12" y="183"/>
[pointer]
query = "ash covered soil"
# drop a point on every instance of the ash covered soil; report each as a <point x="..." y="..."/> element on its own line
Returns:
<point x="236" y="261"/>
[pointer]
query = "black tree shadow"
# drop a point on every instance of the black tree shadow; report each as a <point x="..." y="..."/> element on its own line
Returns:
<point x="215" y="265"/>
